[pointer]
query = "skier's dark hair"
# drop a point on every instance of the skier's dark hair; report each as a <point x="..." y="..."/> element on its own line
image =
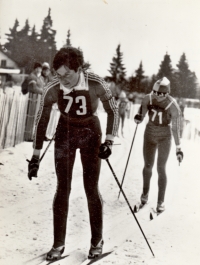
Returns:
<point x="70" y="56"/>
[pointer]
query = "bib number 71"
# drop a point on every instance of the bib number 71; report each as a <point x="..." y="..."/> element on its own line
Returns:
<point x="155" y="113"/>
<point x="82" y="108"/>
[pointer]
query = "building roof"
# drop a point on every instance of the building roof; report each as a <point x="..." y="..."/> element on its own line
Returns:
<point x="9" y="71"/>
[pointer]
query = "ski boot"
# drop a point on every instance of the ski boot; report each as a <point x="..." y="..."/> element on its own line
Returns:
<point x="143" y="202"/>
<point x="94" y="252"/>
<point x="160" y="207"/>
<point x="144" y="199"/>
<point x="55" y="253"/>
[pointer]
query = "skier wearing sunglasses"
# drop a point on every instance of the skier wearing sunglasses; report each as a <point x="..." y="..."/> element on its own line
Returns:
<point x="164" y="121"/>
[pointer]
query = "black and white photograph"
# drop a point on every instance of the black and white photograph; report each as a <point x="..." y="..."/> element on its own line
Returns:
<point x="99" y="132"/>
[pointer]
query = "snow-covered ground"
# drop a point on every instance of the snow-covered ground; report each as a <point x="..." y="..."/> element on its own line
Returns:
<point x="26" y="207"/>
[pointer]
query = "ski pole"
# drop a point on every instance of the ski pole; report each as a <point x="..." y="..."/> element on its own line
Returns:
<point x="129" y="204"/>
<point x="128" y="160"/>
<point x="45" y="149"/>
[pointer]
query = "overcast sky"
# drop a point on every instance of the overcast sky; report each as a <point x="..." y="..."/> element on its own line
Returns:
<point x="146" y="29"/>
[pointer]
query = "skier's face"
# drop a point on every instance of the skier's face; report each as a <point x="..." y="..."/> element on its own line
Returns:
<point x="67" y="77"/>
<point x="159" y="95"/>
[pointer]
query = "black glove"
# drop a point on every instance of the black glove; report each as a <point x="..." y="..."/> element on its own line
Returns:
<point x="105" y="149"/>
<point x="179" y="154"/>
<point x="138" y="118"/>
<point x="33" y="167"/>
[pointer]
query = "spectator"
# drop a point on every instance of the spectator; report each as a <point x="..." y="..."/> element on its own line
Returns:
<point x="35" y="80"/>
<point x="46" y="73"/>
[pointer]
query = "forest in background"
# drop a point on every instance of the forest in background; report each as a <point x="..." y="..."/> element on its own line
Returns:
<point x="26" y="46"/>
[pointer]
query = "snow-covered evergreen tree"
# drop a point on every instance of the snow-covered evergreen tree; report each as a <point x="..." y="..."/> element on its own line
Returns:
<point x="186" y="81"/>
<point x="117" y="69"/>
<point x="46" y="42"/>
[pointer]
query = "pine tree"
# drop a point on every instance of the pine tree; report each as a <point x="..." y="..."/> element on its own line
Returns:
<point x="68" y="41"/>
<point x="139" y="82"/>
<point x="186" y="81"/>
<point x="19" y="44"/>
<point x="27" y="46"/>
<point x="46" y="42"/>
<point x="12" y="40"/>
<point x="139" y="79"/>
<point x="33" y="49"/>
<point x="25" y="30"/>
<point x="23" y="54"/>
<point x="117" y="69"/>
<point x="167" y="70"/>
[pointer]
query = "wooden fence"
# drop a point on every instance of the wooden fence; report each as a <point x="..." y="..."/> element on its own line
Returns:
<point x="17" y="117"/>
<point x="13" y="108"/>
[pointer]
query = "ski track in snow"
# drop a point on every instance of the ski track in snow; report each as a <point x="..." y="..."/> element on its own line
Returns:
<point x="26" y="228"/>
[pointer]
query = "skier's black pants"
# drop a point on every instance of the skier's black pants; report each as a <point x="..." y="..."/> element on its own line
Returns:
<point x="151" y="144"/>
<point x="88" y="140"/>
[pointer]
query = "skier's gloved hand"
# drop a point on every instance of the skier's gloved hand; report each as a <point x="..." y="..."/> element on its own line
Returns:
<point x="179" y="154"/>
<point x="105" y="149"/>
<point x="33" y="167"/>
<point x="138" y="118"/>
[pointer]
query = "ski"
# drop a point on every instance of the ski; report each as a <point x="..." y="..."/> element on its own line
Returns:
<point x="79" y="261"/>
<point x="45" y="262"/>
<point x="91" y="261"/>
<point x="75" y="257"/>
